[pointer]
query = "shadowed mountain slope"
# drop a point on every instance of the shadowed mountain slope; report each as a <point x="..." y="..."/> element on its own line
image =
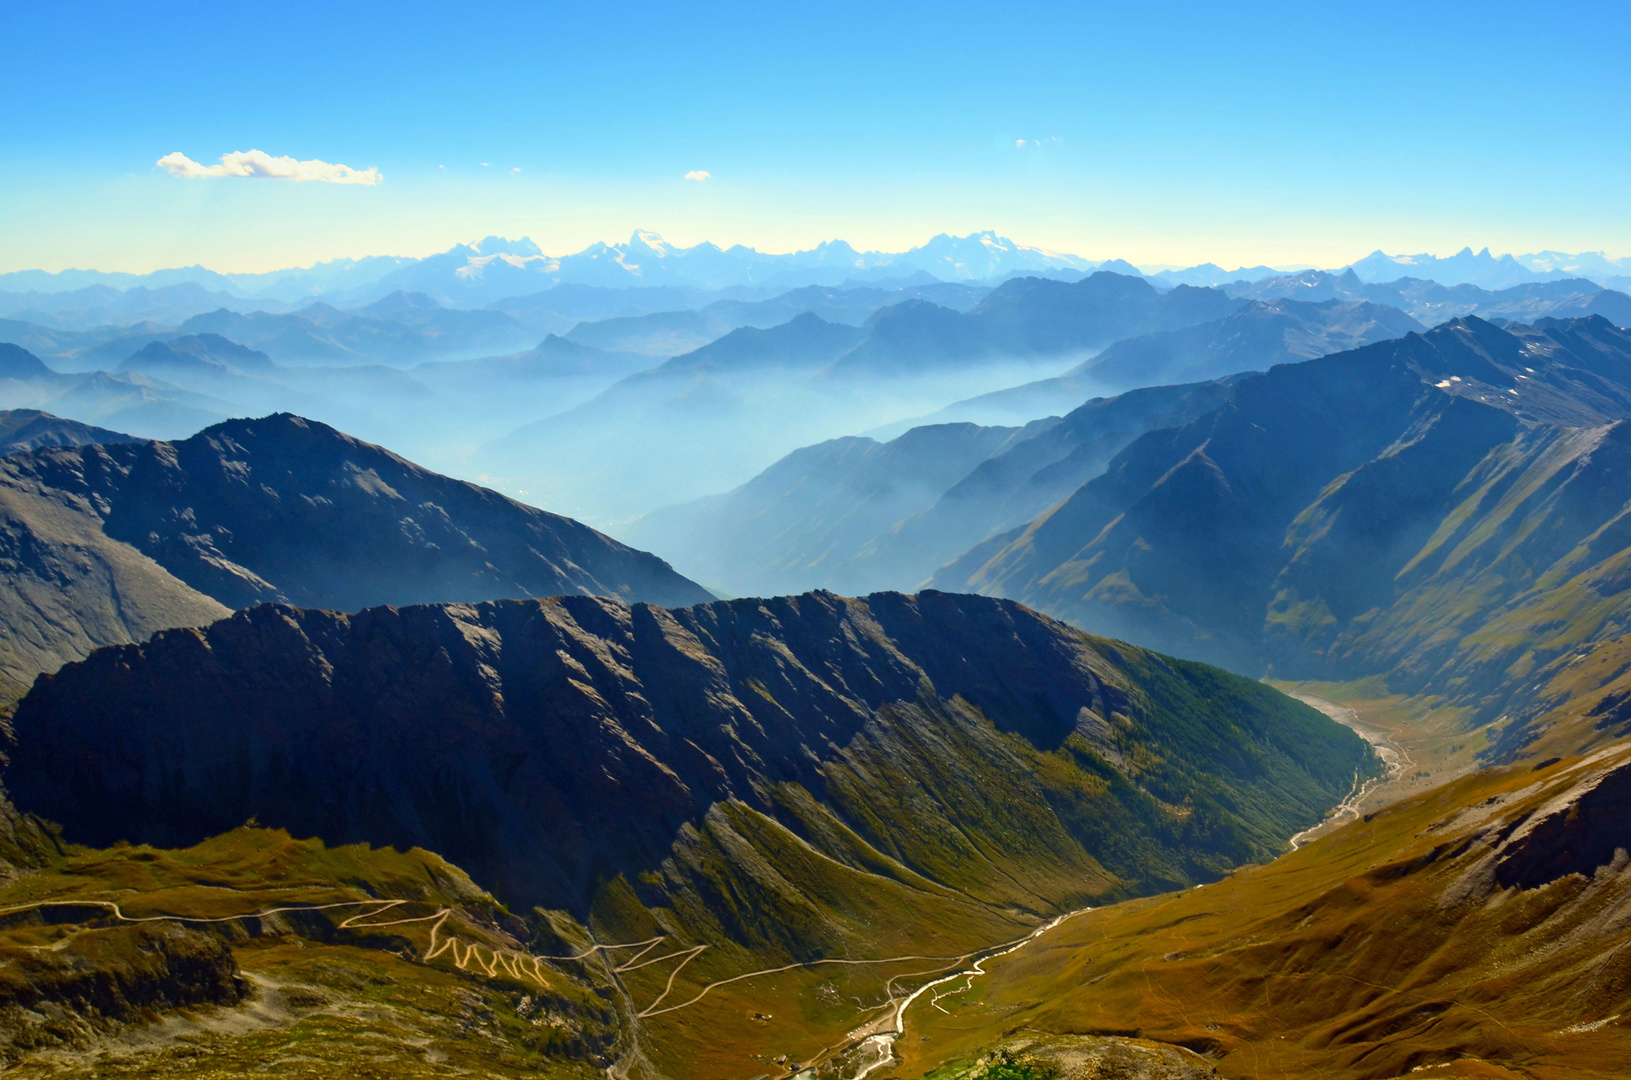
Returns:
<point x="1023" y="479"/>
<point x="21" y="365"/>
<point x="959" y="753"/>
<point x="1444" y="509"/>
<point x="273" y="509"/>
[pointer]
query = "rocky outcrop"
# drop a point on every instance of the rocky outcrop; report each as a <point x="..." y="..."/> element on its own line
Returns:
<point x="1088" y="1057"/>
<point x="95" y="979"/>
<point x="1585" y="828"/>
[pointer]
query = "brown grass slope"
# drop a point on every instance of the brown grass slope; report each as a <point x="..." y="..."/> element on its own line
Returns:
<point x="256" y="953"/>
<point x="1477" y="930"/>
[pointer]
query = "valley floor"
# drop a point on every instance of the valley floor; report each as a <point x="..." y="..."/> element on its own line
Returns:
<point x="1420" y="740"/>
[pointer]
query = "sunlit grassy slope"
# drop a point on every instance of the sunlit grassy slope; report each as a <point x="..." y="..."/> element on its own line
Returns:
<point x="1474" y="930"/>
<point x="295" y="993"/>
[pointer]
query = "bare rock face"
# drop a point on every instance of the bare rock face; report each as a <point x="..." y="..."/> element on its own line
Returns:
<point x="1582" y="830"/>
<point x="67" y="588"/>
<point x="104" y="544"/>
<point x="97" y="978"/>
<point x="551" y="746"/>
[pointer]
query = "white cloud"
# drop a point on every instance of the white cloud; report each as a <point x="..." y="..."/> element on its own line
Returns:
<point x="516" y="169"/>
<point x="699" y="175"/>
<point x="257" y="164"/>
<point x="1019" y="142"/>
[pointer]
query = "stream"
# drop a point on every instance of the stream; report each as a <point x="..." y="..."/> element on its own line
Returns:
<point x="878" y="1048"/>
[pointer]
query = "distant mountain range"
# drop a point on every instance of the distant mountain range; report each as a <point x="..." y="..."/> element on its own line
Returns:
<point x="107" y="543"/>
<point x="494" y="268"/>
<point x="1495" y="272"/>
<point x="472" y="275"/>
<point x="1433" y="303"/>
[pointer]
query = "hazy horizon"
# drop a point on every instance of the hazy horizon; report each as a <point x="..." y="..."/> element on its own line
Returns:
<point x="672" y="242"/>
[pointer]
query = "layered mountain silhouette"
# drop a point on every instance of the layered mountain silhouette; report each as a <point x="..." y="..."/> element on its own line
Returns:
<point x="130" y="400"/>
<point x="1444" y="509"/>
<point x="760" y="772"/>
<point x="803" y="520"/>
<point x="197" y="355"/>
<point x="855" y="514"/>
<point x="1254" y="338"/>
<point x="110" y="542"/>
<point x="1432" y="302"/>
<point x="1251" y="340"/>
<point x="672" y="333"/>
<point x="680" y="428"/>
<point x="399" y="329"/>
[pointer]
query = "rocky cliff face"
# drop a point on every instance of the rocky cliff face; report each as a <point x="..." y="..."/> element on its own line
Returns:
<point x="957" y="750"/>
<point x="103" y="544"/>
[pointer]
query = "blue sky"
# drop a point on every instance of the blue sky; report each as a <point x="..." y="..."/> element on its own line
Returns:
<point x="1172" y="133"/>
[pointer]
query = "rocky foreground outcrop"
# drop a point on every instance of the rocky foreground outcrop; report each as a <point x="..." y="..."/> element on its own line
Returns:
<point x="89" y="982"/>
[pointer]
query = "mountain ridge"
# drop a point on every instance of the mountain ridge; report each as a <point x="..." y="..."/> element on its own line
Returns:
<point x="1372" y="512"/>
<point x="150" y="534"/>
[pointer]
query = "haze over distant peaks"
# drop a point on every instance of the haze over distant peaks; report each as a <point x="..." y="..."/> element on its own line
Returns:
<point x="495" y="267"/>
<point x="1492" y="271"/>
